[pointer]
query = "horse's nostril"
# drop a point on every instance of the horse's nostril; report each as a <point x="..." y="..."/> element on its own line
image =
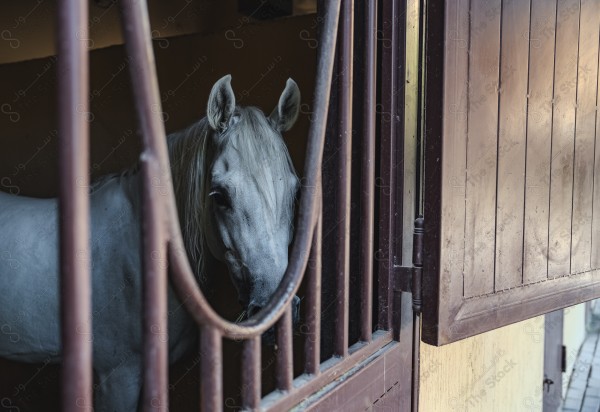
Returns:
<point x="253" y="309"/>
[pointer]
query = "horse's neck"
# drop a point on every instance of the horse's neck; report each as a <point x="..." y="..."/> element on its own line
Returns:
<point x="115" y="191"/>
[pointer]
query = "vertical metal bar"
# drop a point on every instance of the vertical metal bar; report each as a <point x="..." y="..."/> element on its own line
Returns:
<point x="386" y="178"/>
<point x="312" y="344"/>
<point x="345" y="159"/>
<point x="367" y="205"/>
<point x="285" y="365"/>
<point x="251" y="374"/>
<point x="155" y="296"/>
<point x="76" y="329"/>
<point x="136" y="30"/>
<point x="211" y="369"/>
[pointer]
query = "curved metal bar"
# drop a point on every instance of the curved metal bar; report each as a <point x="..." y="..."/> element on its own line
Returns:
<point x="155" y="169"/>
<point x="182" y="275"/>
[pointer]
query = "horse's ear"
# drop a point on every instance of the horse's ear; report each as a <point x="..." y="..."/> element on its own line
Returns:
<point x="285" y="114"/>
<point x="221" y="104"/>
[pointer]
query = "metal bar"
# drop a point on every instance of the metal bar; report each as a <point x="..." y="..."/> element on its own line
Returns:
<point x="251" y="374"/>
<point x="181" y="272"/>
<point x="155" y="297"/>
<point x="211" y="369"/>
<point x="386" y="179"/>
<point x="367" y="205"/>
<point x="312" y="343"/>
<point x="345" y="159"/>
<point x="75" y="253"/>
<point x="285" y="365"/>
<point x="154" y="164"/>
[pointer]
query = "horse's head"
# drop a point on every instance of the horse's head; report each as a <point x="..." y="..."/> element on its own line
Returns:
<point x="250" y="190"/>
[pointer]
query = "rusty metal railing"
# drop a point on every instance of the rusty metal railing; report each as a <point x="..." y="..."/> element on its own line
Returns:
<point x="162" y="231"/>
<point x="73" y="125"/>
<point x="162" y="235"/>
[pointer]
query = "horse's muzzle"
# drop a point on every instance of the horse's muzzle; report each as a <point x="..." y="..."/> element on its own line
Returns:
<point x="268" y="336"/>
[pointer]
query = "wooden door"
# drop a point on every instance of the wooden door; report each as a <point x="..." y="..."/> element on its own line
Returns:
<point x="511" y="160"/>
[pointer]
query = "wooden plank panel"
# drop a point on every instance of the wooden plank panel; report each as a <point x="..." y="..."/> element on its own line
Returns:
<point x="585" y="131"/>
<point x="455" y="312"/>
<point x="482" y="147"/>
<point x="512" y="140"/>
<point x="539" y="139"/>
<point x="361" y="388"/>
<point x="563" y="127"/>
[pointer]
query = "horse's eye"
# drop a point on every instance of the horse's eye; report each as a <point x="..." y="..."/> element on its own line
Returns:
<point x="220" y="197"/>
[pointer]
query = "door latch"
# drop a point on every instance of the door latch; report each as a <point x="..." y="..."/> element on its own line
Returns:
<point x="547" y="382"/>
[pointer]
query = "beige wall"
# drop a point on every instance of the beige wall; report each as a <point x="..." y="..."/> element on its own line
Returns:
<point x="501" y="370"/>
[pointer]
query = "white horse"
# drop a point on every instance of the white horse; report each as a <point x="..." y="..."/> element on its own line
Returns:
<point x="235" y="187"/>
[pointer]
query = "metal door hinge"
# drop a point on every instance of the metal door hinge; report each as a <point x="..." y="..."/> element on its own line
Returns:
<point x="563" y="359"/>
<point x="409" y="278"/>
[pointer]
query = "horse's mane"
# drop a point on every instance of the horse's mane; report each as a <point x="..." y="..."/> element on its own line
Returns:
<point x="192" y="150"/>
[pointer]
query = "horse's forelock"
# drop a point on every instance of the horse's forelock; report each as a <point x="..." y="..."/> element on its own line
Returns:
<point x="259" y="146"/>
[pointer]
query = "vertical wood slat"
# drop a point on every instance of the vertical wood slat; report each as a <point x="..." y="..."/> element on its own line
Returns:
<point x="454" y="121"/>
<point x="345" y="66"/>
<point x="136" y="26"/>
<point x="563" y="127"/>
<point x="251" y="373"/>
<point x="211" y="369"/>
<point x="75" y="253"/>
<point x="585" y="130"/>
<point x="411" y="75"/>
<point x="285" y="365"/>
<point x="312" y="343"/>
<point x="367" y="204"/>
<point x="482" y="147"/>
<point x="542" y="40"/>
<point x="595" y="255"/>
<point x="512" y="141"/>
<point x="385" y="181"/>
